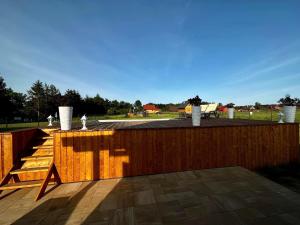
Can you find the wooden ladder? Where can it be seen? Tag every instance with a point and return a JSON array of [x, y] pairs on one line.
[[40, 160]]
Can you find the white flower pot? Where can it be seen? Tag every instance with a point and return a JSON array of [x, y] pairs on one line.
[[65, 116], [196, 115], [230, 112], [289, 113]]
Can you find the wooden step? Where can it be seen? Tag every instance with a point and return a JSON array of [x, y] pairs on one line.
[[24, 184], [28, 158], [32, 170], [43, 152], [37, 163], [47, 142], [49, 131], [44, 138], [43, 147], [47, 137]]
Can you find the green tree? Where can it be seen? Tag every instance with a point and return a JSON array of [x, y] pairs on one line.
[[99, 104], [6, 104], [73, 98], [36, 101], [116, 107], [257, 105], [18, 101], [52, 98], [138, 106], [13, 103], [94, 105]]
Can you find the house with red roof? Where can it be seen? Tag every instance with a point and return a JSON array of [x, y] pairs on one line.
[[150, 108]]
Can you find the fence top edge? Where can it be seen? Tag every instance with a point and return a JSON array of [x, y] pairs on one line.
[[19, 130], [170, 128]]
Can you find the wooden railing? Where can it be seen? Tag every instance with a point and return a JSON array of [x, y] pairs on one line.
[[93, 155], [12, 145]]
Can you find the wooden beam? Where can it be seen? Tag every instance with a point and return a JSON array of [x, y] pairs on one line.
[[24, 184], [6, 179], [16, 178], [52, 170], [56, 175]]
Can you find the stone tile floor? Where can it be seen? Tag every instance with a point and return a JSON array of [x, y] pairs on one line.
[[220, 196]]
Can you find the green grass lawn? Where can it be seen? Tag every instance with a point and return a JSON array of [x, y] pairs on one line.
[[261, 115], [168, 115]]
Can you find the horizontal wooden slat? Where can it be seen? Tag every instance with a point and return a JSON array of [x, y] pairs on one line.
[[43, 147], [29, 158], [32, 170], [24, 184], [47, 138]]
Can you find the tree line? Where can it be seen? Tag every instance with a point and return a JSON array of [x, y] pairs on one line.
[[43, 99]]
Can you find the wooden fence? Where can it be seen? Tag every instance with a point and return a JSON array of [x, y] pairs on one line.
[[93, 155], [12, 145]]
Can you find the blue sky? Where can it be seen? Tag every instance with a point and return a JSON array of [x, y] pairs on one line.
[[155, 51]]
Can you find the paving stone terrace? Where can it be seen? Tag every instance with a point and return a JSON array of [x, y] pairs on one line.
[[231, 195]]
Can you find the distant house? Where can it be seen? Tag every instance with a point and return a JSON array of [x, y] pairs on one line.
[[252, 108], [274, 107], [172, 108], [185, 108], [150, 108], [181, 108], [222, 109]]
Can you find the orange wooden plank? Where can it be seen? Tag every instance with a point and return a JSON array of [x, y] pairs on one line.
[[127, 144], [70, 156], [76, 154], [93, 155], [83, 148], [88, 152], [7, 152], [107, 136], [63, 154], [101, 154], [57, 151], [116, 155], [96, 155], [1, 157]]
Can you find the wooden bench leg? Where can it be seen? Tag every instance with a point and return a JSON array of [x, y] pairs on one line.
[[56, 175], [6, 179], [16, 178], [52, 170]]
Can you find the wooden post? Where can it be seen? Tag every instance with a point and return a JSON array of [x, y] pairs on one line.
[[271, 113], [38, 112]]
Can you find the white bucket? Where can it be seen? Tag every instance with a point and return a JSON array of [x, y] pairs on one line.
[[230, 112], [65, 116], [289, 113], [196, 115]]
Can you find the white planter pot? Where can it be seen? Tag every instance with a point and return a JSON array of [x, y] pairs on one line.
[[230, 112], [65, 116], [196, 115], [289, 113]]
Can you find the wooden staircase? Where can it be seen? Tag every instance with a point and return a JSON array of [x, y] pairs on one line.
[[39, 159]]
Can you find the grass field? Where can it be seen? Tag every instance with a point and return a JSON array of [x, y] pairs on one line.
[[169, 115], [261, 115]]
